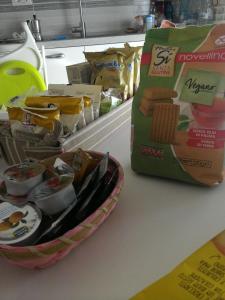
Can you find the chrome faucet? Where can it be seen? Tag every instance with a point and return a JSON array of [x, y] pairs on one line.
[[82, 27]]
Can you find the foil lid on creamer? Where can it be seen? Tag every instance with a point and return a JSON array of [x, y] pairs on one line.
[[18, 224], [24, 171], [50, 187]]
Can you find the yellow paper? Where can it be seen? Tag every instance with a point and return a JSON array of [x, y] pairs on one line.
[[199, 277]]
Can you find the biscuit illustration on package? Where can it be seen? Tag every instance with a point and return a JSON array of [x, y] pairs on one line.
[[146, 106], [164, 123], [153, 96], [157, 93]]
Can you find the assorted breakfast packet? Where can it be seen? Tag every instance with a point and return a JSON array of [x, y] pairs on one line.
[[178, 114], [79, 90], [200, 277], [116, 68]]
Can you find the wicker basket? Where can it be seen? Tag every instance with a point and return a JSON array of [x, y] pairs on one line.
[[46, 254]]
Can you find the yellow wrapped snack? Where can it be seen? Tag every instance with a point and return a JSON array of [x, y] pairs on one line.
[[128, 70], [92, 57], [33, 120], [70, 109], [46, 101], [129, 73], [79, 90], [108, 70], [137, 51], [132, 63]]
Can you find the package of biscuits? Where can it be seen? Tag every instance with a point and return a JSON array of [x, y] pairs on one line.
[[178, 113]]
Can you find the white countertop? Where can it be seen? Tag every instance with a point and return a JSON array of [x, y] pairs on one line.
[[156, 224], [77, 42], [99, 40]]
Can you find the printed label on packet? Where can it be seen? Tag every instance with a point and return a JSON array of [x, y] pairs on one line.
[[163, 61], [199, 277], [205, 144], [200, 87], [206, 138], [206, 133]]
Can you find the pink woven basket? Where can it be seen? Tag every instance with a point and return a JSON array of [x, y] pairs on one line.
[[46, 254]]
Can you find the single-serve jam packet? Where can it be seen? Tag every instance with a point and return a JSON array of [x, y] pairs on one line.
[[178, 115], [200, 277]]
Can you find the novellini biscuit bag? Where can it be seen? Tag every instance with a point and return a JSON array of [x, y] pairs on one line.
[[200, 277], [178, 114]]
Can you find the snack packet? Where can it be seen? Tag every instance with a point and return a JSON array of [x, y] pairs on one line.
[[33, 120], [70, 109], [79, 90], [92, 57], [129, 57], [137, 64], [82, 122], [79, 73], [110, 100], [70, 114], [200, 276], [88, 110], [83, 163], [108, 70], [132, 62], [129, 74], [178, 114]]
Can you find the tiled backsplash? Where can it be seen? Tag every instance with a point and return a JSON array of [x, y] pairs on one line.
[[101, 16], [6, 5], [58, 17]]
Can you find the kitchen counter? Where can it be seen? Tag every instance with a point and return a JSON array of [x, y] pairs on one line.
[[94, 40], [156, 225], [77, 42]]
